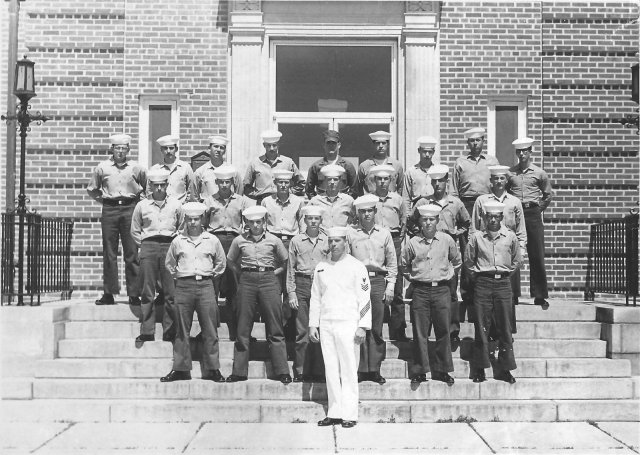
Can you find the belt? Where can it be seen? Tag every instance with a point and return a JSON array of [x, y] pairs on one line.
[[304, 275], [258, 269], [432, 284], [528, 205], [195, 277], [120, 201], [377, 273], [469, 198], [395, 235], [159, 239], [283, 236], [233, 233], [494, 275]]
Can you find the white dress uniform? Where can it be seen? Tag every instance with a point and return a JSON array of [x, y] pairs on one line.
[[339, 306]]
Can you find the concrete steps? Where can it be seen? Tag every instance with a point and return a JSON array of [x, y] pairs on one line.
[[391, 368], [393, 411]]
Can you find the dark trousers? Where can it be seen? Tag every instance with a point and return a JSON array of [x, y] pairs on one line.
[[374, 349], [493, 303], [228, 289], [199, 297], [431, 305], [466, 286], [535, 250], [259, 289], [116, 226], [152, 271], [288, 316], [454, 324], [397, 322], [308, 359]]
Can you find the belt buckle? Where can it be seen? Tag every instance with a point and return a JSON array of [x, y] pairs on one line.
[[497, 276], [261, 269], [198, 277], [372, 273], [434, 284], [120, 201]]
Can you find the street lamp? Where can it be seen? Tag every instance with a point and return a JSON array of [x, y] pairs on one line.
[[24, 89]]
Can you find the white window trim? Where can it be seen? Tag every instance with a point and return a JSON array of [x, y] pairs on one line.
[[340, 117], [520, 101], [144, 154]]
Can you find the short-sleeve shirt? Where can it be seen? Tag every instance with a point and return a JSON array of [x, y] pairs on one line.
[[204, 182], [304, 254], [416, 184], [115, 181], [180, 179], [374, 249], [284, 217], [391, 212], [471, 176], [498, 255], [203, 256], [336, 212], [267, 251], [151, 218], [530, 185], [259, 174], [513, 215], [430, 260], [366, 183], [226, 215], [454, 218]]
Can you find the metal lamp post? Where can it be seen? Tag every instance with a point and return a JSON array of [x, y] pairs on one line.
[[24, 89]]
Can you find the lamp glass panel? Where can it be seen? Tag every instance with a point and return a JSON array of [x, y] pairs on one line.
[[30, 85], [20, 78]]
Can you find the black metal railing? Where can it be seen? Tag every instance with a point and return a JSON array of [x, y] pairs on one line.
[[612, 262], [46, 262]]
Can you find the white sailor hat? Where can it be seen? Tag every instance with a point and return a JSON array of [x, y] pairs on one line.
[[194, 209], [366, 202], [437, 171], [474, 132], [158, 175], [382, 170], [225, 172], [218, 140], [523, 143], [167, 140], [429, 210], [254, 213], [312, 210], [493, 207], [427, 142], [498, 169], [337, 231], [120, 139], [271, 136], [282, 174], [332, 170], [380, 136]]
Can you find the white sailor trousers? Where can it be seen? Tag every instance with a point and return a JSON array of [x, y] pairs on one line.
[[341, 357]]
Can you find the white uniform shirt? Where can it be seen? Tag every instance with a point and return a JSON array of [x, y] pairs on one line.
[[340, 292]]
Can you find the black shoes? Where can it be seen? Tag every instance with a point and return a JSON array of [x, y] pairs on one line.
[[443, 377], [400, 336], [214, 376], [284, 378], [176, 376], [376, 377], [348, 423], [143, 338], [236, 378], [363, 377], [327, 421], [506, 377], [478, 376], [542, 303], [299, 378], [417, 379], [134, 301], [106, 299]]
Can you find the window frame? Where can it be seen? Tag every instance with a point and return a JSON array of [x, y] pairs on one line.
[[519, 101], [144, 102]]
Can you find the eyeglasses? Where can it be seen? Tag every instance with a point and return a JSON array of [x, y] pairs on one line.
[[120, 147]]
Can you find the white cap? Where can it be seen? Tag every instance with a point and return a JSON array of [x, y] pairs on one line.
[[493, 207], [429, 210], [427, 142], [271, 136], [337, 231], [380, 136], [475, 132], [218, 140], [255, 212], [523, 143], [158, 175], [167, 140], [225, 172], [498, 170], [332, 170], [365, 202], [194, 209], [120, 139], [282, 174], [437, 171], [312, 210], [382, 170]]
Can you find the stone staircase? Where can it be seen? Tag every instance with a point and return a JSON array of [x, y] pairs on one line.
[[100, 375]]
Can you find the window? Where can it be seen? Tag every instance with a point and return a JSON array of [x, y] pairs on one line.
[[507, 120], [344, 86], [159, 116]]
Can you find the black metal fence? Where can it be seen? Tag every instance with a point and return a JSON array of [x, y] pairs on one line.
[[612, 263], [46, 261]]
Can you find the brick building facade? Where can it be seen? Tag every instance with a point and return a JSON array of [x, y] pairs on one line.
[[558, 72]]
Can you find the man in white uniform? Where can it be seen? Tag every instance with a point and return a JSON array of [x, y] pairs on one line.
[[340, 306]]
